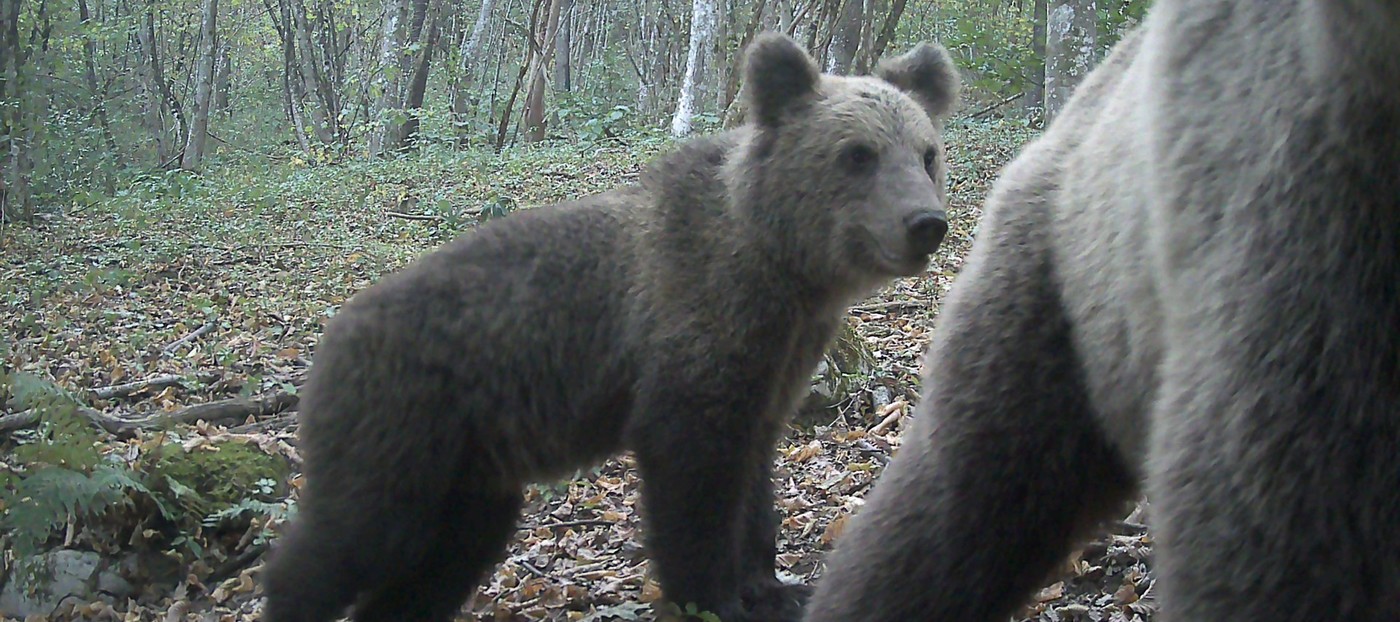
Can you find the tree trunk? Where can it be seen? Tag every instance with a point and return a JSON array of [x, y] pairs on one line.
[[882, 41], [525, 65], [466, 72], [16, 131], [203, 89], [846, 37], [719, 65], [563, 48], [1071, 28], [861, 63], [645, 53], [702, 31], [387, 134], [310, 82], [1035, 93], [422, 59], [148, 71], [534, 99], [733, 107], [222, 78], [98, 95]]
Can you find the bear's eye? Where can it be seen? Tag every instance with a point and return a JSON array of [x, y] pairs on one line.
[[930, 157], [860, 158]]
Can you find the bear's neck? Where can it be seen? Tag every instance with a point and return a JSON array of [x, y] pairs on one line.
[[708, 229]]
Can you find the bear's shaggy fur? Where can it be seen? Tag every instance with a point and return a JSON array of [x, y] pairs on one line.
[[1189, 285], [679, 319]]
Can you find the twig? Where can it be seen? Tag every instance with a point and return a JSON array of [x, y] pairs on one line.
[[533, 570], [123, 390], [237, 564], [586, 522], [406, 216], [208, 326], [892, 413], [270, 156], [886, 306], [276, 423], [993, 107]]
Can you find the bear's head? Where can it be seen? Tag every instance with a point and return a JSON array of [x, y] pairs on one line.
[[846, 173]]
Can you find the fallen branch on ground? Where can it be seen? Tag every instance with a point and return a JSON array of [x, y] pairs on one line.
[[887, 306], [123, 390], [208, 326], [225, 410], [275, 423], [407, 216], [18, 421], [213, 412], [235, 565]]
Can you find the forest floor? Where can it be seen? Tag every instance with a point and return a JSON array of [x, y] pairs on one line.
[[225, 281]]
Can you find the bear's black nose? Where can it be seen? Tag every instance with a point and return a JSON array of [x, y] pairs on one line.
[[926, 231]]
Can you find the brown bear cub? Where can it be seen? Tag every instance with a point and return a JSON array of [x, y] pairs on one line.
[[1189, 285], [679, 319]]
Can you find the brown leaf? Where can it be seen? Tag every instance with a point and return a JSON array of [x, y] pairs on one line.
[[1052, 592], [834, 530], [1126, 594], [806, 452]]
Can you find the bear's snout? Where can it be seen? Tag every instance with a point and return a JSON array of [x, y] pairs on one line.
[[926, 231]]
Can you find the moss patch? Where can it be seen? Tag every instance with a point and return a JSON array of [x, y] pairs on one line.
[[221, 475]]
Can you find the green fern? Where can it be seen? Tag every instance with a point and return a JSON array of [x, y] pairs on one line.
[[66, 438], [276, 511], [49, 497]]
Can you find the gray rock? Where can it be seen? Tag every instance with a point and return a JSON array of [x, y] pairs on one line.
[[83, 575]]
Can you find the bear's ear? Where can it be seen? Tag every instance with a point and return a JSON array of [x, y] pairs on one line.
[[778, 74], [927, 74]]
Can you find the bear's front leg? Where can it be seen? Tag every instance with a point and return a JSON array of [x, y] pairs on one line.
[[765, 596], [698, 454]]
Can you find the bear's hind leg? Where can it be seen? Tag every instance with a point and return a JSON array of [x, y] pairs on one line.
[[472, 531]]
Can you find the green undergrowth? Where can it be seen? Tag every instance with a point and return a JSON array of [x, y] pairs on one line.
[[65, 485]]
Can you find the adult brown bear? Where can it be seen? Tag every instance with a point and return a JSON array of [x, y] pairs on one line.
[[1190, 284], [679, 319]]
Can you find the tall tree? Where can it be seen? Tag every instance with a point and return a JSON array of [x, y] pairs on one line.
[[1035, 92], [466, 70], [869, 56], [204, 87], [420, 59], [159, 100], [18, 120], [563, 48], [311, 71], [534, 99], [1071, 28], [845, 37], [97, 93], [702, 32], [410, 32]]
